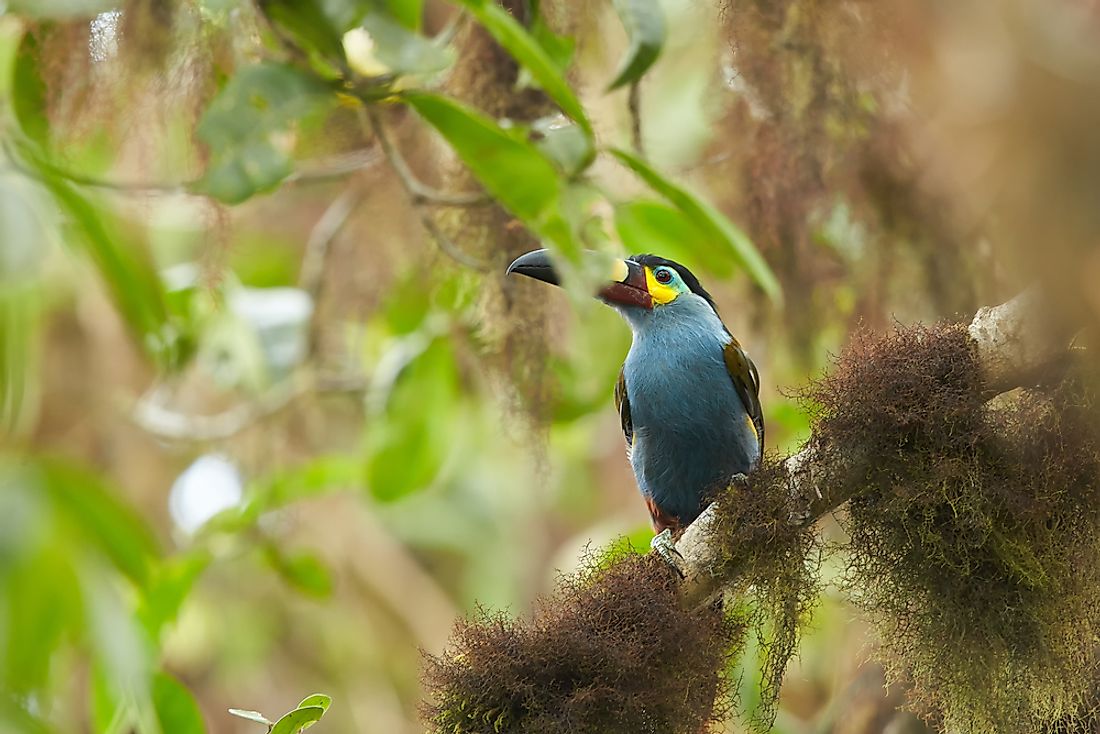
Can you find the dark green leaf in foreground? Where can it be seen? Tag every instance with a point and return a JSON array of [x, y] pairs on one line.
[[645, 226], [312, 24], [122, 262], [176, 709], [644, 22], [724, 241], [247, 126], [305, 572], [545, 72], [406, 12], [28, 98], [102, 519], [510, 168]]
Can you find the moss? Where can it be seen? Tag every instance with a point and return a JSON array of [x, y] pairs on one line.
[[612, 651], [771, 565], [974, 532]]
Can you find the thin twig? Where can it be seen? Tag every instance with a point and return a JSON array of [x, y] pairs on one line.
[[634, 104], [370, 119], [449, 248], [325, 169], [419, 192], [326, 229], [153, 416]]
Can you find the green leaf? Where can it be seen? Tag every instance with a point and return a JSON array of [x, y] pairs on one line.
[[407, 445], [558, 47], [316, 699], [645, 226], [176, 709], [20, 312], [102, 519], [531, 54], [252, 716], [168, 588], [513, 170], [406, 12], [298, 719], [644, 22], [245, 124], [303, 571], [402, 50], [28, 98], [312, 24], [723, 240], [123, 263]]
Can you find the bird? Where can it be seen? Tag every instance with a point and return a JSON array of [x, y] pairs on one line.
[[688, 394]]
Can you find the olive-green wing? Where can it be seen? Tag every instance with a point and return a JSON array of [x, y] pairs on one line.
[[746, 381], [623, 406]]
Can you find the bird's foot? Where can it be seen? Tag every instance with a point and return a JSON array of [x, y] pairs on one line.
[[663, 546]]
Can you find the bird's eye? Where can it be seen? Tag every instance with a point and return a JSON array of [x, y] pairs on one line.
[[663, 275]]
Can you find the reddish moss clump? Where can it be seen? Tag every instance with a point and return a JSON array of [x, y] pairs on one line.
[[974, 528], [612, 650]]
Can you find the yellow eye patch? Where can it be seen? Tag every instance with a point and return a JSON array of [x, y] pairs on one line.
[[659, 292]]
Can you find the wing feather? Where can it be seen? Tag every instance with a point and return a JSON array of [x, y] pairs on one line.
[[746, 381], [622, 404]]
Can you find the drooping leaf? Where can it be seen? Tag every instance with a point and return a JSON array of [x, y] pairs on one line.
[[24, 243], [298, 719], [558, 47], [19, 315], [176, 709], [531, 55], [724, 242], [246, 127], [124, 264], [313, 24], [513, 170], [644, 22], [167, 589], [28, 98], [406, 12], [304, 571], [102, 519], [652, 226], [406, 450]]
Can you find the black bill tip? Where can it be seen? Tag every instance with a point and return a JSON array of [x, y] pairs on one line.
[[536, 264]]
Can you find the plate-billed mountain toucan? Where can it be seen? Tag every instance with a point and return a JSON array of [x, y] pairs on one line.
[[688, 395]]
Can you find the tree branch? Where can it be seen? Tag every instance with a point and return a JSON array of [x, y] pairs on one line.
[[1012, 343]]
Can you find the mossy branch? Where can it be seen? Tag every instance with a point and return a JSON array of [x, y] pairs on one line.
[[1012, 342], [968, 523]]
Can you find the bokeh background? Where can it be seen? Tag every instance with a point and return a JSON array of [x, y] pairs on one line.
[[271, 435]]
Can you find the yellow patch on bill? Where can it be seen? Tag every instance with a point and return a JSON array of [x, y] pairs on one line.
[[619, 271]]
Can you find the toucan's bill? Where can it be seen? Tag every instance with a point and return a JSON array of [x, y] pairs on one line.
[[627, 286]]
